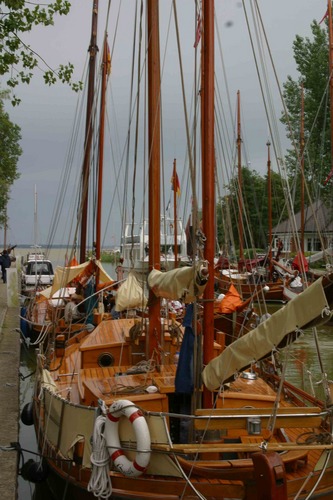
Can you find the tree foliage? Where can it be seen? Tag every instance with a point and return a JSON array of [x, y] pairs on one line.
[[312, 62], [254, 215], [10, 135], [18, 60]]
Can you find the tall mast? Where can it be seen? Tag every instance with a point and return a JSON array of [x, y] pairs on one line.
[[35, 218], [330, 71], [154, 131], [175, 190], [330, 40], [302, 167], [240, 182], [269, 186], [88, 137], [208, 184], [105, 68]]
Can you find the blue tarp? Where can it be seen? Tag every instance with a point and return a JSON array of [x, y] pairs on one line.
[[184, 374]]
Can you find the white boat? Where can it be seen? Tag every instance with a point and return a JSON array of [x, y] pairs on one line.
[[135, 245], [37, 271]]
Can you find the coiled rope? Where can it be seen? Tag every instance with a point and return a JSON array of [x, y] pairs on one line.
[[100, 481]]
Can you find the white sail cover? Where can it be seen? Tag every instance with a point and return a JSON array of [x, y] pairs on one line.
[[185, 283], [65, 275], [130, 294], [308, 309]]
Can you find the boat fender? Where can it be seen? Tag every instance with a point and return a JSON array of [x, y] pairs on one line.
[[151, 389], [27, 415], [34, 472], [270, 476], [139, 465]]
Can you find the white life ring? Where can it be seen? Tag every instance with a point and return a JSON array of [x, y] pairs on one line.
[[111, 434]]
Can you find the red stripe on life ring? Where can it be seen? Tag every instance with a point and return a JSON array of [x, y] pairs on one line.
[[135, 415], [138, 467], [112, 418], [116, 454]]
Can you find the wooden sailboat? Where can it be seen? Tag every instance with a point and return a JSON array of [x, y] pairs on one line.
[[113, 427], [252, 276]]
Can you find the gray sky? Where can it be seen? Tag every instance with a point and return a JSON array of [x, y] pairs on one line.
[[46, 114]]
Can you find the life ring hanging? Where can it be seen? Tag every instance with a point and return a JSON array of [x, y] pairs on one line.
[[140, 427]]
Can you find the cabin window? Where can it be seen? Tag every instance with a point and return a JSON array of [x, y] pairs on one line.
[[105, 360], [39, 268]]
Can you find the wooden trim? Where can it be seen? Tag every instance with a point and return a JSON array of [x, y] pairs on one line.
[[237, 447], [238, 418]]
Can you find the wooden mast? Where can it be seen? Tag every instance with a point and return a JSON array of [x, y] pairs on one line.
[[269, 186], [330, 73], [88, 139], [105, 69], [208, 180], [154, 127], [240, 182], [330, 39], [302, 167], [175, 192]]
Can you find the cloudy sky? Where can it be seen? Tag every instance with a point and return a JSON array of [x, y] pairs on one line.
[[46, 114]]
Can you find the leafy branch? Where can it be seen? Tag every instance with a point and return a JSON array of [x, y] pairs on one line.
[[14, 53]]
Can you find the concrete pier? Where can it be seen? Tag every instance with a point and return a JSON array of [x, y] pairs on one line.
[[9, 384]]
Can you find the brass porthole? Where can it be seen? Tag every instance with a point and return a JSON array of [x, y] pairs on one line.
[[105, 359]]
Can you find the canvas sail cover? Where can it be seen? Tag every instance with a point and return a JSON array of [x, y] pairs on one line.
[[231, 302], [130, 294], [308, 309], [184, 283], [65, 275], [300, 263]]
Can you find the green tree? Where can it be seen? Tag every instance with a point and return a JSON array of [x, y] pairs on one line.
[[255, 216], [10, 135], [311, 57], [18, 60]]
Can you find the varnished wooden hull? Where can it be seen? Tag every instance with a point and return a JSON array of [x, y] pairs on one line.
[[270, 291], [212, 473]]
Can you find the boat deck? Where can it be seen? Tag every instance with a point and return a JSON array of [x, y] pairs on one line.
[[89, 384]]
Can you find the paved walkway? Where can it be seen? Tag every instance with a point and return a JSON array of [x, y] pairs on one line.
[[9, 387]]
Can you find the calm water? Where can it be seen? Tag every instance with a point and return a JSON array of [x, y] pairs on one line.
[[303, 370]]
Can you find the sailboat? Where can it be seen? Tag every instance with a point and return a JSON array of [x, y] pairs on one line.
[[37, 269], [252, 276], [128, 411]]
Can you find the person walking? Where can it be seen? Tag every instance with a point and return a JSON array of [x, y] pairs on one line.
[[5, 263]]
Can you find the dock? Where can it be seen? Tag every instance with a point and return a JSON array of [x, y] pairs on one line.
[[9, 384]]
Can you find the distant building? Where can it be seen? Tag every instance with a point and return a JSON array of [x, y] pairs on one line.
[[318, 229]]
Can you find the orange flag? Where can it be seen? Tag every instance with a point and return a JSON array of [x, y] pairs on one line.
[[198, 32], [175, 184], [325, 15]]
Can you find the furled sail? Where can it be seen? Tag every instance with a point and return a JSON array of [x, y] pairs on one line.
[[309, 308], [130, 294], [184, 283]]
